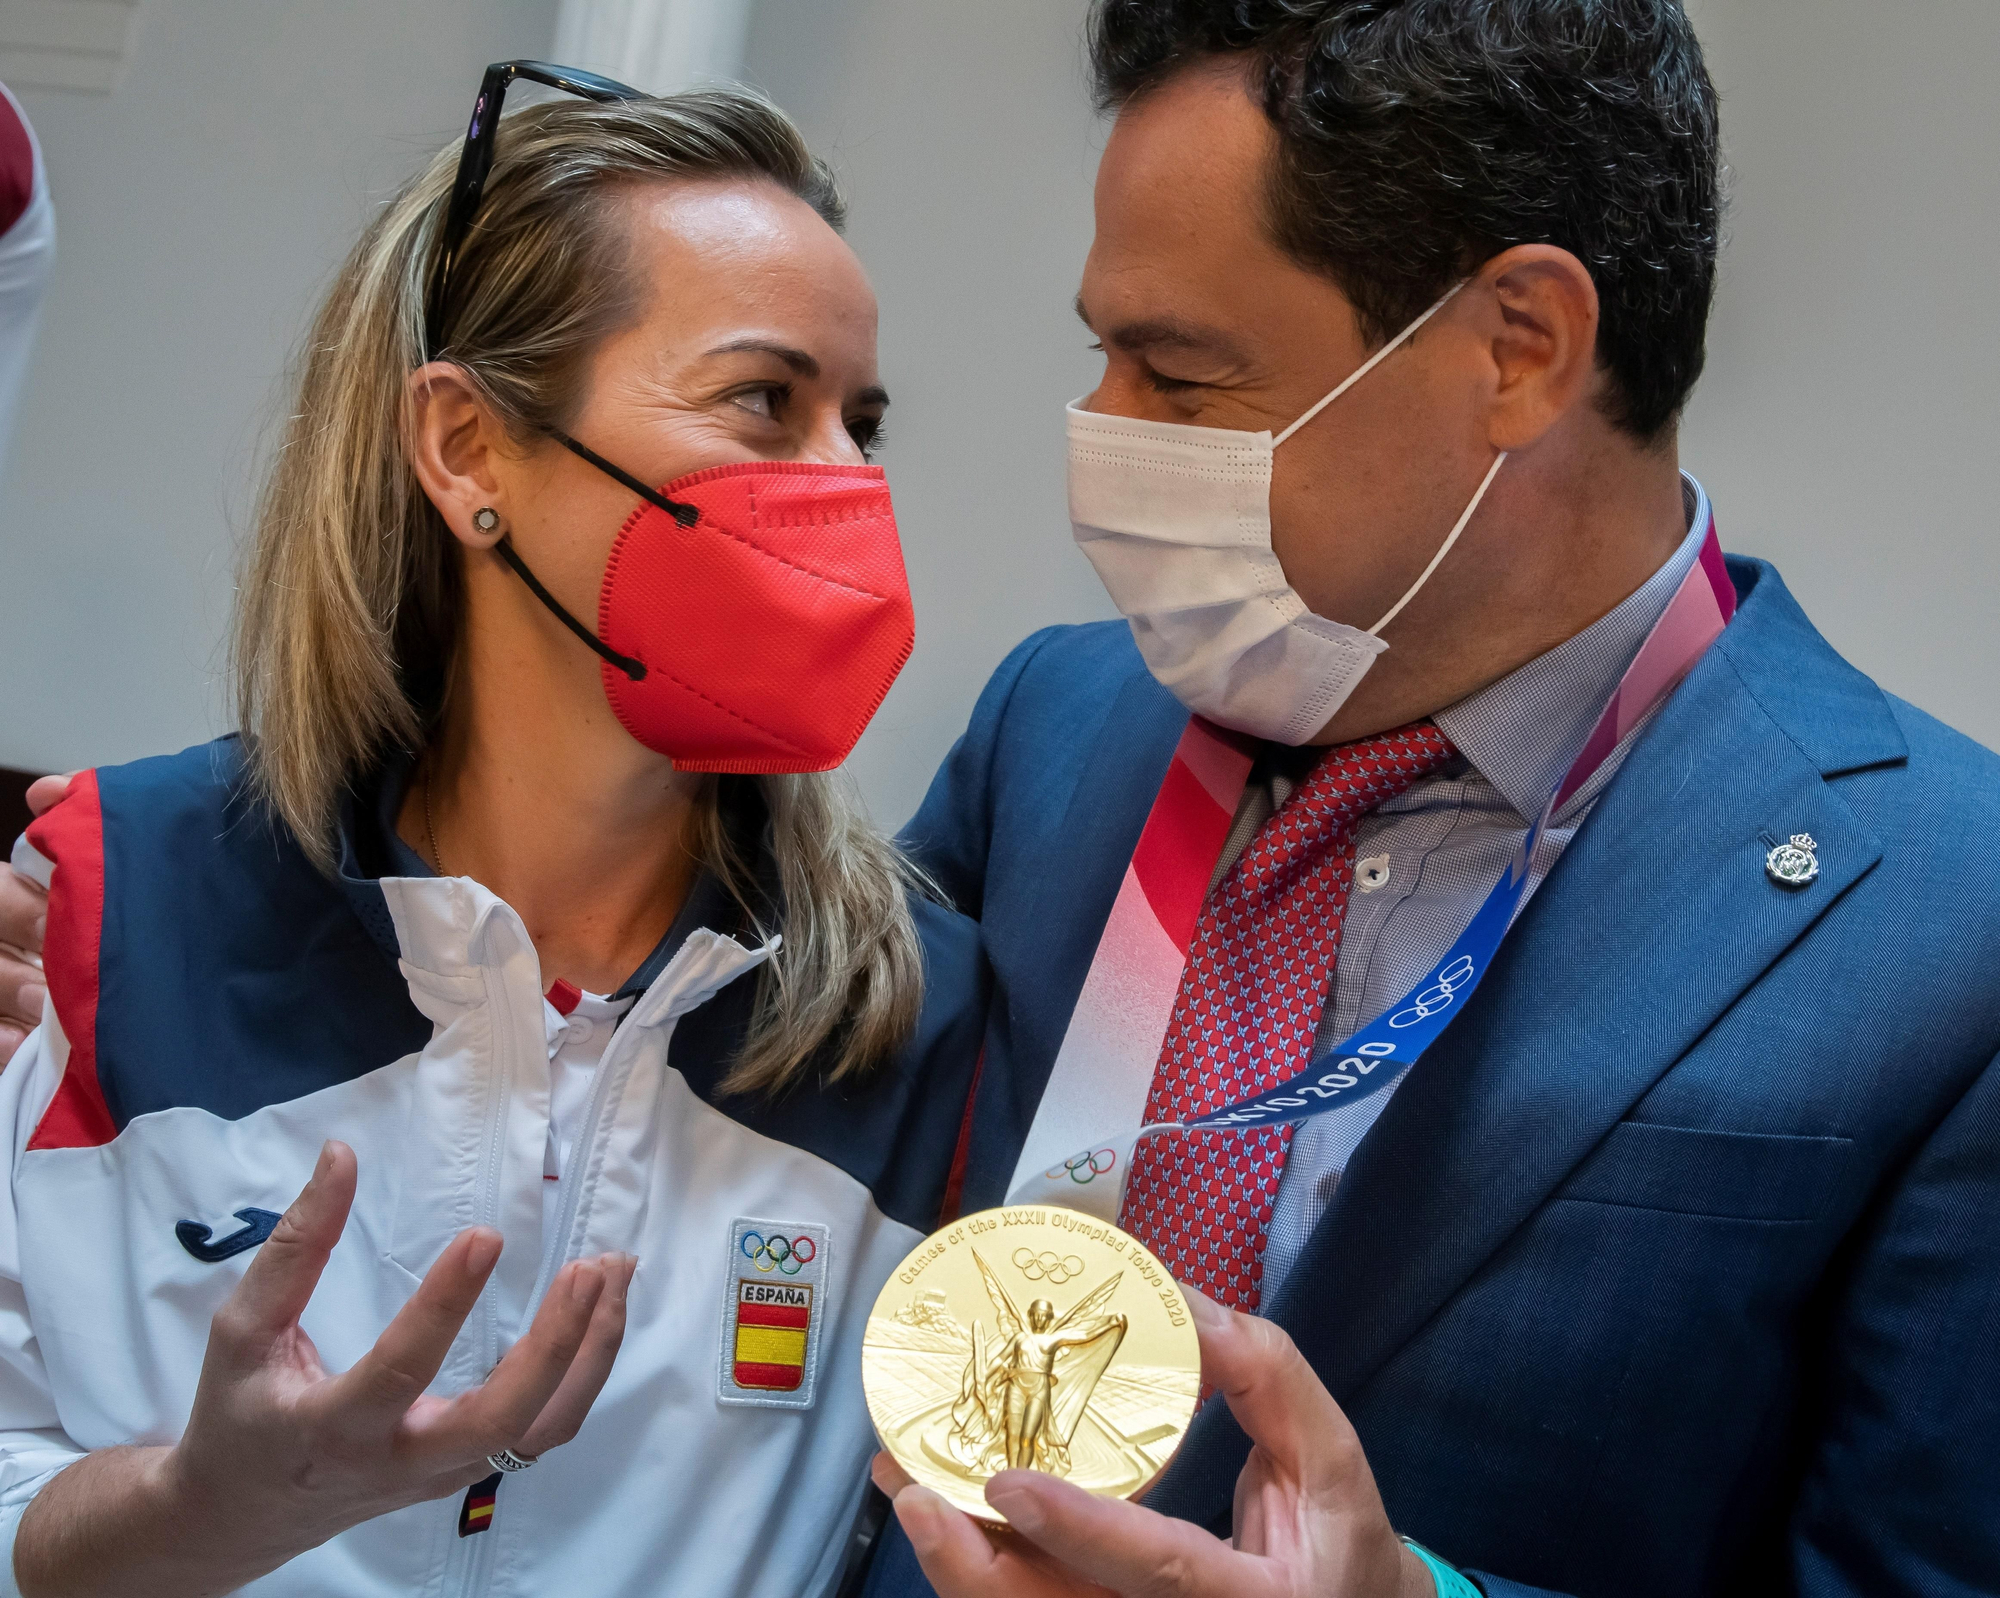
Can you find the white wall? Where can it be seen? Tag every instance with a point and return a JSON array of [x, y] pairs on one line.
[[1844, 427], [1848, 420], [202, 207]]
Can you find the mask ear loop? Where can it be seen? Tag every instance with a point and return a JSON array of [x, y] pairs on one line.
[[1443, 550], [685, 515], [1370, 364], [1356, 376], [635, 669]]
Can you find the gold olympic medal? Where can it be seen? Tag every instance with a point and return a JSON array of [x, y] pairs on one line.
[[1034, 1338]]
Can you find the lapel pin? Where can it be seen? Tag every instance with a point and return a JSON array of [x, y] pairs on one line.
[[1794, 864]]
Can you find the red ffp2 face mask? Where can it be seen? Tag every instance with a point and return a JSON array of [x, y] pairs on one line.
[[752, 617]]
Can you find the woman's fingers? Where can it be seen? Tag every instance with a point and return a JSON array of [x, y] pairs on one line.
[[23, 987], [562, 1417], [392, 1375], [45, 791], [499, 1413], [281, 1278], [24, 912], [23, 919]]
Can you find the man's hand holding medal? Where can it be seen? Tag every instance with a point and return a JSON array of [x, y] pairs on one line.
[[1309, 1521]]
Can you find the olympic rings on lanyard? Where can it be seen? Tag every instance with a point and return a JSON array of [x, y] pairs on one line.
[[784, 1255], [1084, 1168], [1438, 995]]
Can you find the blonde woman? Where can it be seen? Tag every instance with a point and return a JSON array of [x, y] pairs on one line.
[[519, 928]]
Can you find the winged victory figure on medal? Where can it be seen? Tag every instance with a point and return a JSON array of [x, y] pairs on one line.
[[1026, 1387]]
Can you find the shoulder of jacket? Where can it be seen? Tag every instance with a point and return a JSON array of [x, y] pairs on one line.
[[1943, 799], [163, 790], [171, 885], [175, 818], [1957, 770], [1102, 648], [1083, 663]]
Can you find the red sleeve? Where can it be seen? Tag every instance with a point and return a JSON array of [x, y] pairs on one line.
[[17, 165], [72, 835]]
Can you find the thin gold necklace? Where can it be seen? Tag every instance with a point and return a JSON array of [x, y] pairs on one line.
[[430, 824]]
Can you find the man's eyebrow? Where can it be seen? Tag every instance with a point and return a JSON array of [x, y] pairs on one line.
[[798, 360], [873, 396], [1169, 332]]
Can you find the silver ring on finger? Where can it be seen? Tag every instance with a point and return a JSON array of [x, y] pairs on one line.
[[510, 1461]]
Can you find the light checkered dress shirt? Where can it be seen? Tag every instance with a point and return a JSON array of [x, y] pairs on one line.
[[1425, 861]]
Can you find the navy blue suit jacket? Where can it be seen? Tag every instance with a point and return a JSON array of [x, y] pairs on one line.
[[1674, 1269]]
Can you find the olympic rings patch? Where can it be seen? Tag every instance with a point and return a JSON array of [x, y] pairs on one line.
[[777, 1276], [1083, 1169], [786, 1255], [1047, 1265]]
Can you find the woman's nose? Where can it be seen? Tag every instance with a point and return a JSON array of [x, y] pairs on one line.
[[831, 444]]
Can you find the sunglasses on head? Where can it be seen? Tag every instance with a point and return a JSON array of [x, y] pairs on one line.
[[476, 160]]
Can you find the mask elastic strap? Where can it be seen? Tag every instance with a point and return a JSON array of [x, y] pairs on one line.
[[1444, 549], [1370, 364], [635, 669], [686, 515]]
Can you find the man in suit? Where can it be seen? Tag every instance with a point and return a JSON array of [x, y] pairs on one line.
[[1673, 1267]]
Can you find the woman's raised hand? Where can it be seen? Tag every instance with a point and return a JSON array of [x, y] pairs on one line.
[[278, 1455]]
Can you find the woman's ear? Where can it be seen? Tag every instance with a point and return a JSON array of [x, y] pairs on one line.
[[1544, 342], [456, 446]]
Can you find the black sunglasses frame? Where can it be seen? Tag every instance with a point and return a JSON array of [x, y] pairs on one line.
[[476, 160]]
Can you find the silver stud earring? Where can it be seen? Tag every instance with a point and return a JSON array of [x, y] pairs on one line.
[[486, 519]]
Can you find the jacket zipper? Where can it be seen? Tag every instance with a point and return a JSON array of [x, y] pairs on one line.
[[471, 1555], [569, 1186]]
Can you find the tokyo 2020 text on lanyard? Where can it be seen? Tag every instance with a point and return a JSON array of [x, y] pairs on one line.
[[1079, 1150]]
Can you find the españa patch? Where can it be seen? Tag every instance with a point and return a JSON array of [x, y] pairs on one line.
[[773, 1303]]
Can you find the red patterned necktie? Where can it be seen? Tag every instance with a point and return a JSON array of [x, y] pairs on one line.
[[1247, 1011]]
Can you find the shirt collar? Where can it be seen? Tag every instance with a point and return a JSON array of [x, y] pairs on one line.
[[1522, 732]]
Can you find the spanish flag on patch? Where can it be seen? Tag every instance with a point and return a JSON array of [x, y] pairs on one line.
[[476, 1513], [772, 1319]]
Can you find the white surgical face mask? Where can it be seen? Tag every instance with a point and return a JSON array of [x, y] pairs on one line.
[[1177, 521]]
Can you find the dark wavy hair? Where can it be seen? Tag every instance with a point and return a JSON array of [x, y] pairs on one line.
[[1419, 138]]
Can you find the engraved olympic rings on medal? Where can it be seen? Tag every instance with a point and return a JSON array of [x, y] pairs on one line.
[[1047, 1265], [1438, 996], [785, 1255], [1083, 1169]]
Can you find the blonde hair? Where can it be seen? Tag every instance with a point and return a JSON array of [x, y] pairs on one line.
[[350, 604]]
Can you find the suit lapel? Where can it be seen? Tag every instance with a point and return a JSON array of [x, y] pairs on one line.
[[1043, 958], [1657, 917]]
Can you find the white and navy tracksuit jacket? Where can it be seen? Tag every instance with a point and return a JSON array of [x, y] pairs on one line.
[[220, 1009]]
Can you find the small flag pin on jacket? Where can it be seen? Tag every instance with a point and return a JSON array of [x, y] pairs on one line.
[[1794, 864]]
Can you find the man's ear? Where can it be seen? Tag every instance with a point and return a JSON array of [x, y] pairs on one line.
[[1544, 340], [455, 442]]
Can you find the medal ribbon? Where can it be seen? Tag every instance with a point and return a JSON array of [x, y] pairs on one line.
[[1111, 1050]]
